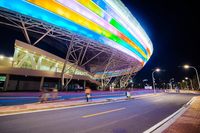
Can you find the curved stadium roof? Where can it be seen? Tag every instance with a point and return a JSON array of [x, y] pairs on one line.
[[108, 22]]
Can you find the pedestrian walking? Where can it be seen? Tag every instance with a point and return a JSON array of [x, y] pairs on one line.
[[54, 93], [128, 94], [41, 97], [88, 93], [177, 89], [44, 95]]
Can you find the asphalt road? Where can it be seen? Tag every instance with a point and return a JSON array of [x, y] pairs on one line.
[[133, 116]]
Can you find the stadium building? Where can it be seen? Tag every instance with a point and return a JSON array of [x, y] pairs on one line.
[[72, 42]]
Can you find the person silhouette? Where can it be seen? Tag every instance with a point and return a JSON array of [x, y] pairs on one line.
[[88, 93]]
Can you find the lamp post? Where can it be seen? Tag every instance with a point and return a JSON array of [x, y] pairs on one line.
[[187, 67], [179, 84], [184, 84], [153, 79], [186, 78], [170, 82]]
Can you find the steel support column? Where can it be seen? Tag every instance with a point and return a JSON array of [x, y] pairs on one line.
[[6, 82], [41, 83], [73, 56], [105, 79], [124, 79], [66, 60]]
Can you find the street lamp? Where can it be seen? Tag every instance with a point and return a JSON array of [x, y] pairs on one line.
[[186, 78], [187, 67], [153, 79]]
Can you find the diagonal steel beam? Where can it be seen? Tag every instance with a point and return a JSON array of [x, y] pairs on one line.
[[42, 36], [84, 53], [92, 58], [25, 32]]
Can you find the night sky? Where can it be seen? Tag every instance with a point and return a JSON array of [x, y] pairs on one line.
[[173, 27]]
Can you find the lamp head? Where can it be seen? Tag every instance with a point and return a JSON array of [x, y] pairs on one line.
[[186, 66], [11, 58], [1, 57], [157, 69]]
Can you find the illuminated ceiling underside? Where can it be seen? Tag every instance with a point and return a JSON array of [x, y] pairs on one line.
[[105, 21]]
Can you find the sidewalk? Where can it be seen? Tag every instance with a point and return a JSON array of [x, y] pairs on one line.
[[184, 91], [6, 110], [19, 98], [189, 122]]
